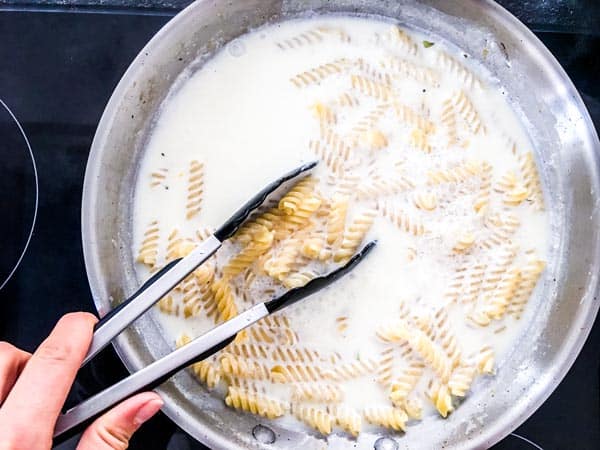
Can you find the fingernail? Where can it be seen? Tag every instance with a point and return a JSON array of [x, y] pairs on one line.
[[148, 410]]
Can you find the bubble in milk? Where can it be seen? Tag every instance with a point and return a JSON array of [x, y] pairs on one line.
[[236, 48], [385, 443], [263, 434]]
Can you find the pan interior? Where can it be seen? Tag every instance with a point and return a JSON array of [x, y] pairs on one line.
[[564, 143]]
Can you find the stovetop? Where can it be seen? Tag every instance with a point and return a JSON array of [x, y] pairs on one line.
[[58, 67]]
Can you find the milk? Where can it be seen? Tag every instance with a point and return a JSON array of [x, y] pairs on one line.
[[242, 117]]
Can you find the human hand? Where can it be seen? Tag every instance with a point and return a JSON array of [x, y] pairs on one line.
[[33, 389]]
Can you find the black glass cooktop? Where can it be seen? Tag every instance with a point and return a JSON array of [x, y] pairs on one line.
[[58, 67]]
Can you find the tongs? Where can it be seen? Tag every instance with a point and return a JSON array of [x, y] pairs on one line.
[[77, 418]]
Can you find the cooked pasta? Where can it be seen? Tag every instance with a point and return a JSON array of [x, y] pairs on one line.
[[350, 370], [195, 189], [259, 245], [346, 418], [401, 40], [317, 74], [404, 68], [234, 366], [254, 403], [456, 174], [460, 381], [532, 180], [377, 187], [354, 235], [402, 386], [148, 252], [416, 149], [453, 67], [370, 88], [439, 395], [204, 371], [317, 392], [401, 219], [295, 372], [465, 109], [224, 300], [316, 418], [387, 416], [158, 177]]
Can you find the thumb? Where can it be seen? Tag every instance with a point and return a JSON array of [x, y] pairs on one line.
[[113, 430]]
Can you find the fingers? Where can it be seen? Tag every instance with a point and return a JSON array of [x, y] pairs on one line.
[[12, 361], [32, 406], [113, 430]]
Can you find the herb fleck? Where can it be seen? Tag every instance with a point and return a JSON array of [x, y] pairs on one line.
[[428, 44]]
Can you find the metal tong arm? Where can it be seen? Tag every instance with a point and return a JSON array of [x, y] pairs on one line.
[[169, 276], [78, 417]]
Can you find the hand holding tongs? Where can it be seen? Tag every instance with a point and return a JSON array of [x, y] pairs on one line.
[[78, 417]]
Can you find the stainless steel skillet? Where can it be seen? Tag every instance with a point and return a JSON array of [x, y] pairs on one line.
[[566, 146]]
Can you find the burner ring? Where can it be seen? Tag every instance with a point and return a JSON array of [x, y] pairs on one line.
[[5, 278], [527, 441]]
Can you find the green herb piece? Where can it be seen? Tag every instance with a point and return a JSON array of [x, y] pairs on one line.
[[428, 44]]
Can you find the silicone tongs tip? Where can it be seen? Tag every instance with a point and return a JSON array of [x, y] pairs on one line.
[[316, 284]]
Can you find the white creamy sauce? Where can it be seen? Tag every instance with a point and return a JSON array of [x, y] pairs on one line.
[[242, 118]]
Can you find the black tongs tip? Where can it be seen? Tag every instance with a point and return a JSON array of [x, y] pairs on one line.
[[316, 284]]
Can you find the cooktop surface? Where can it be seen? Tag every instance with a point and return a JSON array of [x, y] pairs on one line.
[[59, 65]]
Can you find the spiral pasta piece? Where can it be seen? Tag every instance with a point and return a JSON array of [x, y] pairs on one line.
[[456, 174], [386, 366], [248, 350], [148, 252], [312, 37], [403, 68], [337, 219], [531, 177], [464, 242], [387, 417], [254, 403], [195, 189], [408, 116], [403, 385], [451, 66], [168, 305], [461, 380], [332, 160], [354, 235], [317, 392], [400, 219], [529, 275], [316, 418], [204, 371], [370, 88], [257, 247], [314, 246], [425, 201], [485, 361], [158, 177], [297, 279], [441, 398], [346, 418], [295, 372], [291, 202], [224, 299], [284, 261], [319, 73], [350, 370], [466, 110], [235, 366], [400, 40], [377, 187]]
